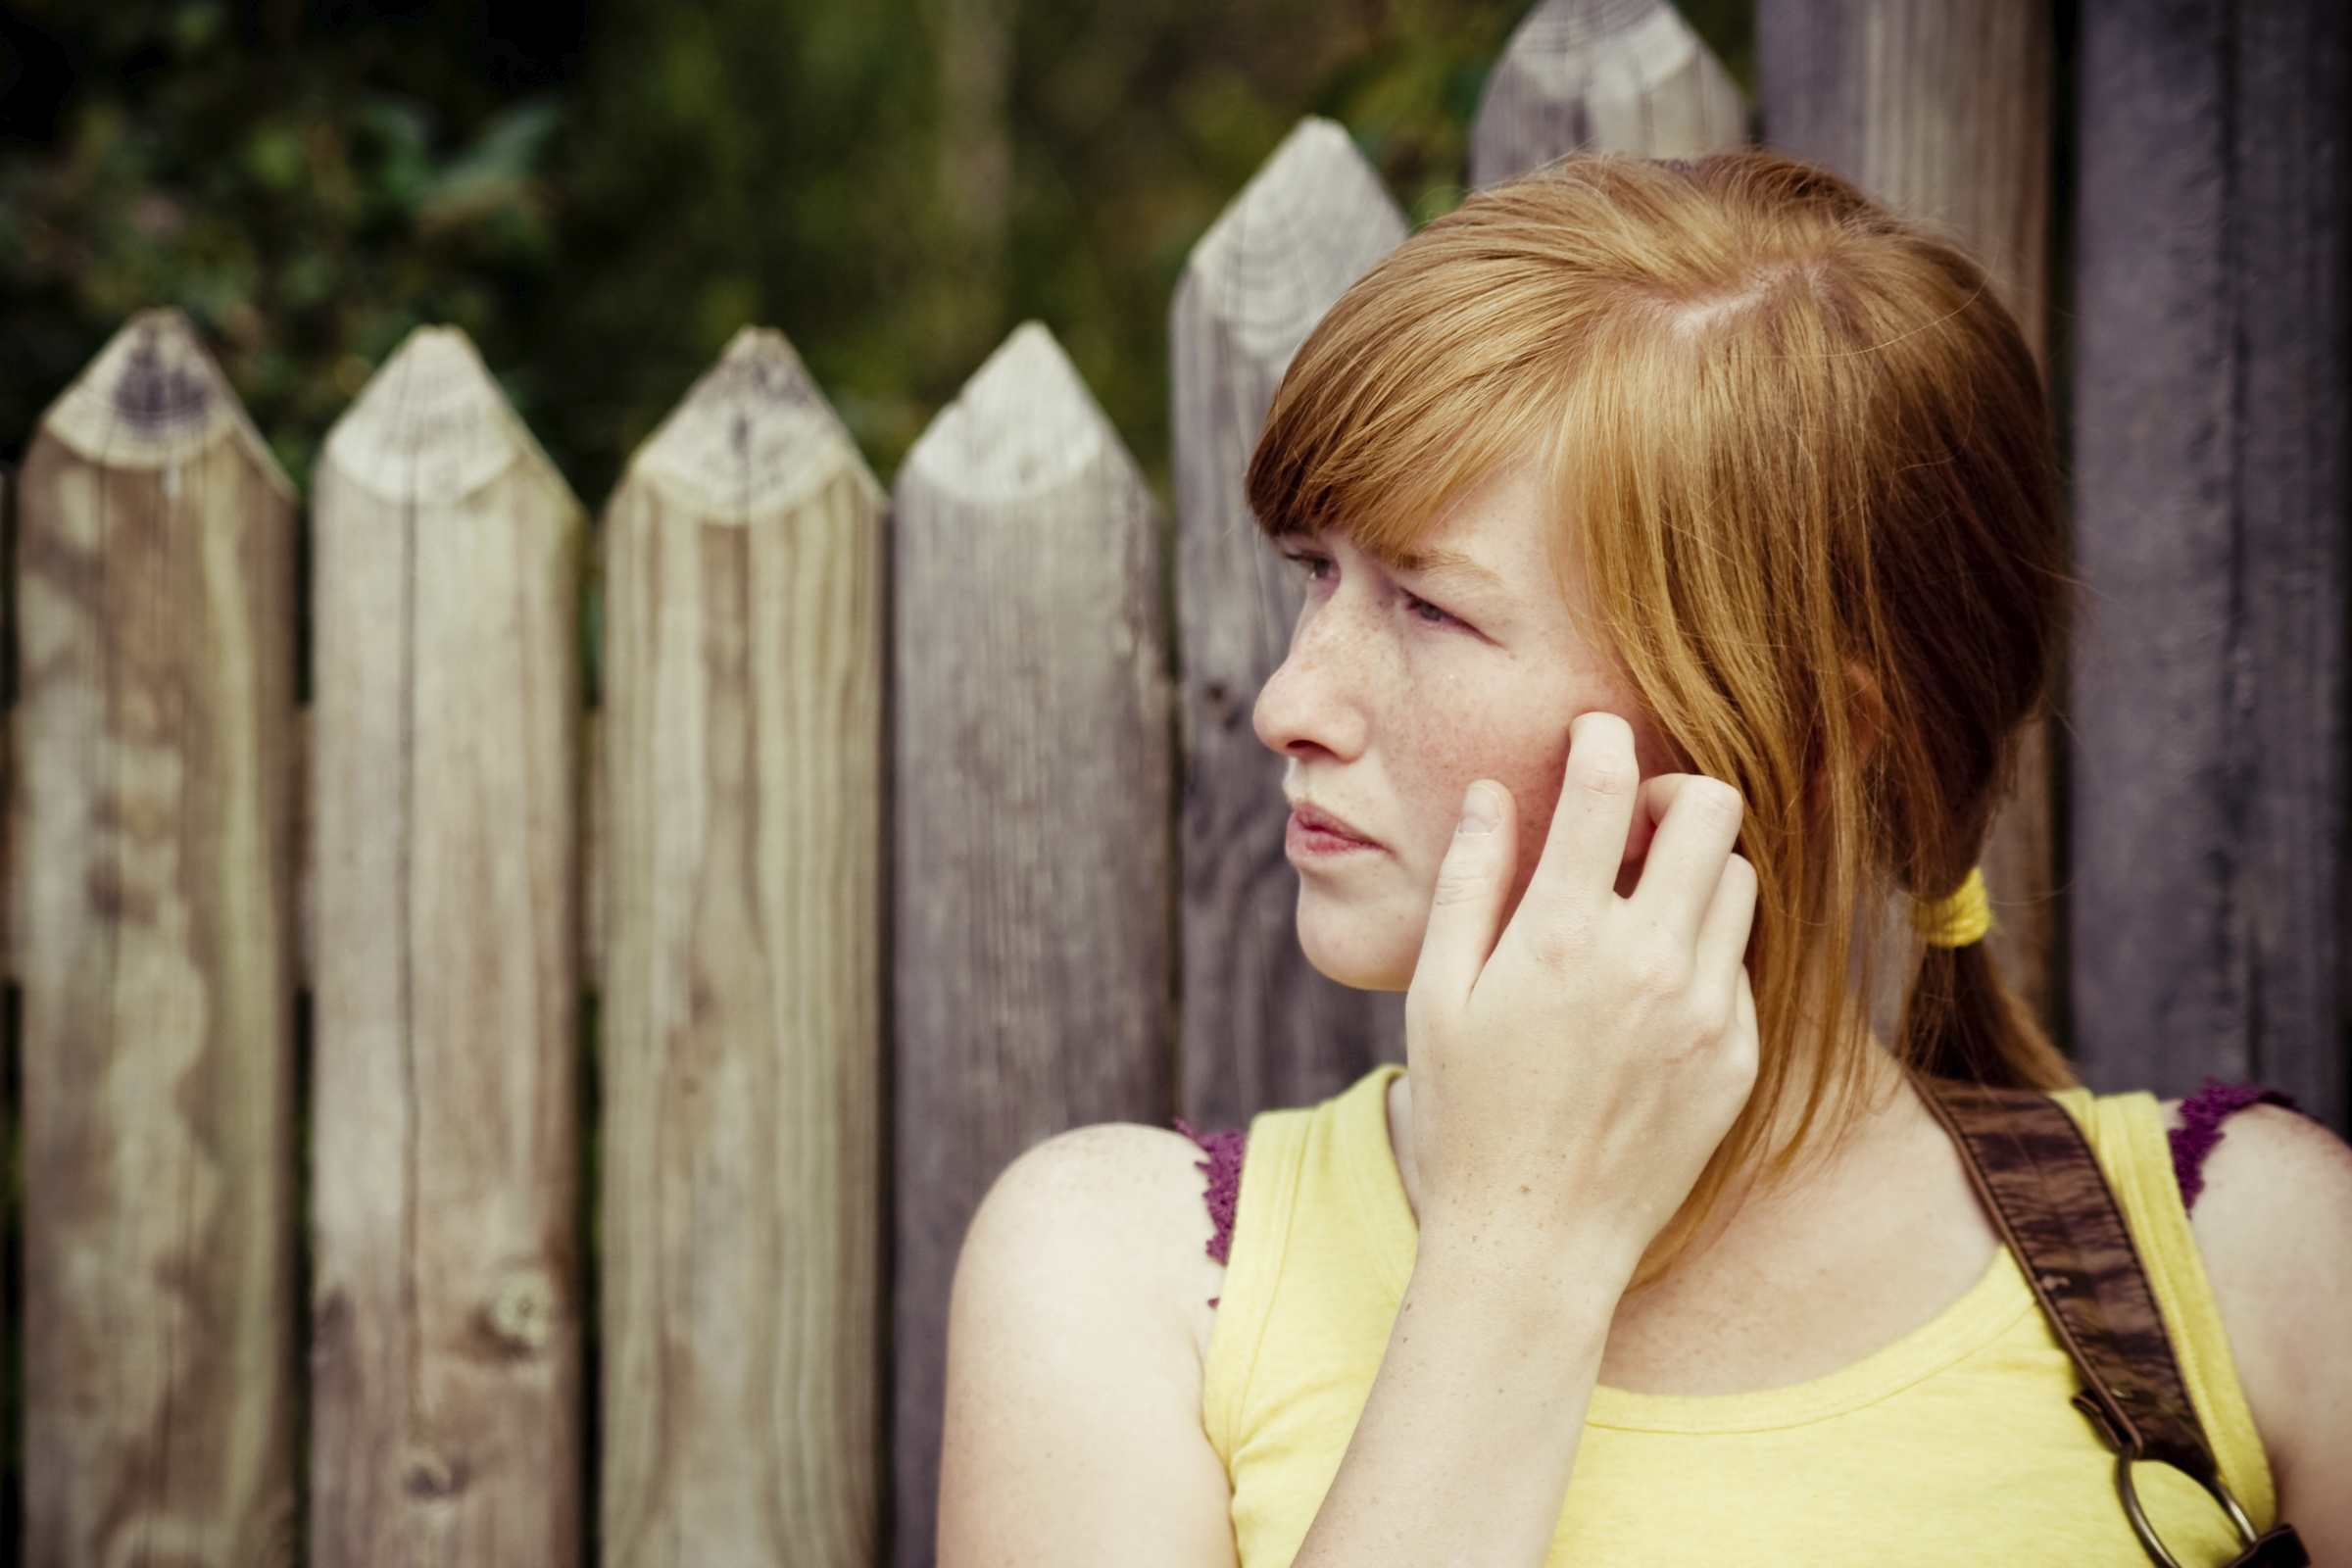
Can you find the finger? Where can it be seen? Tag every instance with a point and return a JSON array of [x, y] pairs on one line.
[[1730, 917], [1687, 857], [1747, 1036], [1649, 806], [1595, 815], [1465, 911]]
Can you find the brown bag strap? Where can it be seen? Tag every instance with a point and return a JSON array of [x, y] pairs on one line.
[[2043, 1188]]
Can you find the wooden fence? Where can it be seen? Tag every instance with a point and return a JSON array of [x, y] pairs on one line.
[[685, 1011]]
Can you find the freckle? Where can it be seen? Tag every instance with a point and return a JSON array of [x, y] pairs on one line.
[[1523, 1189]]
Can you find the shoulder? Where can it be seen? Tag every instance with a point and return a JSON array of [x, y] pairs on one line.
[[2273, 1226], [1107, 1218], [2275, 1214], [2277, 1184], [1076, 1338]]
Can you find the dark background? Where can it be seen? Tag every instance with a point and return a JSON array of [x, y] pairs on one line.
[[602, 192]]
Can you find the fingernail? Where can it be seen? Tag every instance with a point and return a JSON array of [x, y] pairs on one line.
[[1480, 812]]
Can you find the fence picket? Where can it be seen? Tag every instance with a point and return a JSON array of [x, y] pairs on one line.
[[153, 915], [1602, 76], [1941, 109], [445, 1350], [2213, 415], [742, 1005], [1261, 1027], [1032, 858]]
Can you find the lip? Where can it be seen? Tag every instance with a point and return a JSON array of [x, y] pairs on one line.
[[1316, 834]]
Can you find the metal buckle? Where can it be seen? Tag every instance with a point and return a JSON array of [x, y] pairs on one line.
[[2147, 1532]]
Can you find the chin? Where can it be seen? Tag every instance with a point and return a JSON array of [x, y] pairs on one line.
[[1358, 947]]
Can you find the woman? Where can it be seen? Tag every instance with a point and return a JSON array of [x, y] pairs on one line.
[[1682, 560]]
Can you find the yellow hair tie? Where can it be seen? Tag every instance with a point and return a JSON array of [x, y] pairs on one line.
[[1956, 919]]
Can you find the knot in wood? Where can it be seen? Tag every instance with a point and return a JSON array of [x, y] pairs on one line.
[[426, 1474], [164, 392], [521, 1311]]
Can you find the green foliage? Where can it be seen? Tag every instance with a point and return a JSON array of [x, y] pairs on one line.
[[810, 167], [306, 199], [896, 184]]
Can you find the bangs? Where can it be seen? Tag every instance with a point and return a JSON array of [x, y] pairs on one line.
[[1427, 376]]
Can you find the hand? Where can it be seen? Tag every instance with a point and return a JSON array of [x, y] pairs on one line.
[[1573, 1073]]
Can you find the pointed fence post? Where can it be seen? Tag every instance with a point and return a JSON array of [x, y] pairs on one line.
[[1602, 76], [1941, 109], [2213, 482], [1031, 880], [1261, 1027], [153, 915], [741, 1007], [446, 1379]]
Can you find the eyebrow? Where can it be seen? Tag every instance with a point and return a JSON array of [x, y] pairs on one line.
[[1446, 563]]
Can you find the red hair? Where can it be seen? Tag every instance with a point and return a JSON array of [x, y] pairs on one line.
[[1802, 456]]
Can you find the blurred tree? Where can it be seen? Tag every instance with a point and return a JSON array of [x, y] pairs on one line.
[[601, 196], [307, 185], [898, 184]]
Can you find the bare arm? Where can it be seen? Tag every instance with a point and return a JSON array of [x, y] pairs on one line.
[[2274, 1226], [1075, 1342]]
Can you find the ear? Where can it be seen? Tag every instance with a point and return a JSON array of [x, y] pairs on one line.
[[1869, 712], [1866, 721]]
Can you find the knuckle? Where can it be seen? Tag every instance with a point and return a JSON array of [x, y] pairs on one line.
[[1659, 971], [1606, 779], [1458, 885], [1561, 944], [1716, 799], [1464, 876]]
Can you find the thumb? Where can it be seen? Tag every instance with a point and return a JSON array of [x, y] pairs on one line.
[[1465, 911]]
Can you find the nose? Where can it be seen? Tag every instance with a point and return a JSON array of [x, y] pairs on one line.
[[1312, 705]]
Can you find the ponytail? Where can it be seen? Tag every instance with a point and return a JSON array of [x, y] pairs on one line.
[[1961, 1022]]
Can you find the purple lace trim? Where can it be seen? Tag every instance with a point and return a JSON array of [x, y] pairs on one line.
[[2192, 1143], [1223, 1168], [2200, 1131]]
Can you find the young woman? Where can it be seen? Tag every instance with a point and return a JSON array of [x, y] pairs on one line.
[[1683, 559]]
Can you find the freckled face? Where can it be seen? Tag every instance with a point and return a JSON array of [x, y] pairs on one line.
[[1406, 684]]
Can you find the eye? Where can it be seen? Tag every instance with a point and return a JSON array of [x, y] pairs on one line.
[[1318, 566], [1422, 610]]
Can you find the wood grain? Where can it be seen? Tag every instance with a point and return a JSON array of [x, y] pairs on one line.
[[445, 1351], [2213, 421], [1602, 76], [1261, 1027], [1032, 890], [742, 1007], [1941, 109], [153, 912]]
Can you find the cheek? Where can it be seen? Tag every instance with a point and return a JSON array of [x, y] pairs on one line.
[[1523, 746], [1518, 736]]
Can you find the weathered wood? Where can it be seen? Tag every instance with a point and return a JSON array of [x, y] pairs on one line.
[[2212, 426], [445, 1354], [153, 911], [1941, 109], [1602, 76], [1031, 877], [742, 1009], [1261, 1027]]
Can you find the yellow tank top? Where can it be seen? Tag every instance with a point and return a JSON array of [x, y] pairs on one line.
[[1955, 1444]]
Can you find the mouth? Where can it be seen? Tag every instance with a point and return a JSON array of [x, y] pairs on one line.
[[1316, 834]]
